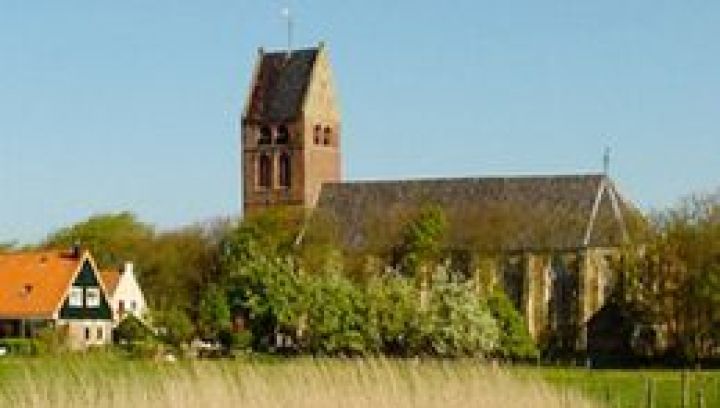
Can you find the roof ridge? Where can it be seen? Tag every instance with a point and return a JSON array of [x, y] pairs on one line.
[[471, 178]]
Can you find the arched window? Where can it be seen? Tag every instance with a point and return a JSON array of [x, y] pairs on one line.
[[265, 171], [326, 136], [316, 135], [265, 135], [283, 135], [285, 170]]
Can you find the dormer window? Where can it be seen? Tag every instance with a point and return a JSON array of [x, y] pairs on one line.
[[283, 135], [265, 136]]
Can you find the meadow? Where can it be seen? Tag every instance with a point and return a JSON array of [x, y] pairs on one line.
[[111, 381]]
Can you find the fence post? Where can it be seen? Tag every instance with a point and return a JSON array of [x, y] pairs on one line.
[[683, 390], [700, 398], [648, 393]]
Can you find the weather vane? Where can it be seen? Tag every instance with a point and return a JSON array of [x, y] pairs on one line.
[[606, 160], [288, 16]]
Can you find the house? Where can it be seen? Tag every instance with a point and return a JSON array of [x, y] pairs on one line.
[[60, 290], [554, 238], [124, 292]]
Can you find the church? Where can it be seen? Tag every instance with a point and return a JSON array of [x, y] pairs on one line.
[[561, 233]]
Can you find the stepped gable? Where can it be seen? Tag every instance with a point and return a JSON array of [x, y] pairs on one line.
[[281, 83], [538, 212]]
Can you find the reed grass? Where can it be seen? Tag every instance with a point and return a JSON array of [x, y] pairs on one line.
[[317, 383]]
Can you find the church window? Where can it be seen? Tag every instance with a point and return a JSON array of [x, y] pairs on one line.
[[283, 135], [265, 171], [326, 136], [316, 135], [265, 135], [285, 171]]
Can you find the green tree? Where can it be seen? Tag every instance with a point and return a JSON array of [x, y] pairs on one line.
[[214, 313], [112, 238], [514, 339]]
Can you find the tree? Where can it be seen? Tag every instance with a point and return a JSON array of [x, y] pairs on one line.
[[514, 339], [112, 238], [214, 312]]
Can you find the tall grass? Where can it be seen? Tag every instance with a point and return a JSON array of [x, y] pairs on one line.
[[292, 383]]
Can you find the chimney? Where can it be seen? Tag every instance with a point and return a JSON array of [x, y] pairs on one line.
[[75, 250], [127, 268]]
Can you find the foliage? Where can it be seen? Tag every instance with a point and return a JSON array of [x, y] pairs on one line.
[[515, 341], [422, 238], [174, 327], [112, 238], [214, 313], [393, 314], [456, 323], [132, 329], [22, 347], [336, 319], [672, 279]]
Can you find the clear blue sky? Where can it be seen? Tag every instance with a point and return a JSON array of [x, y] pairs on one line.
[[133, 105]]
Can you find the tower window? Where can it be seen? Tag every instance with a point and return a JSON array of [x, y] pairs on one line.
[[326, 136], [283, 135], [264, 171], [265, 135], [285, 170], [316, 134]]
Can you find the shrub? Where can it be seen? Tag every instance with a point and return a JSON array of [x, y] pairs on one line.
[[336, 317], [515, 341], [22, 347], [132, 329]]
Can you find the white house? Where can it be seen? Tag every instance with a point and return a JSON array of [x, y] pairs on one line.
[[124, 293]]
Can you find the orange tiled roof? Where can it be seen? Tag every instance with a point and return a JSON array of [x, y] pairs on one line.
[[110, 279], [33, 284]]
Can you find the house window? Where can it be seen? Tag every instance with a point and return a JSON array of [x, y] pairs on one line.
[[133, 305], [76, 297], [92, 297], [121, 307], [100, 333], [285, 171], [87, 333], [265, 171], [265, 135], [283, 135]]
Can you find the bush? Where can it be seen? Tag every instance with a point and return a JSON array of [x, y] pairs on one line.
[[457, 324], [336, 318], [174, 327], [393, 318], [515, 340], [22, 347], [132, 329]]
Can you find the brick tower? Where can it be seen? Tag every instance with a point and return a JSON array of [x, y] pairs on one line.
[[290, 130]]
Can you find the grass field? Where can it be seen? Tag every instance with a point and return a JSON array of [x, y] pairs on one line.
[[110, 381]]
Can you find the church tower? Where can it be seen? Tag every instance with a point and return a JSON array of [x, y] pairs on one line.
[[290, 130]]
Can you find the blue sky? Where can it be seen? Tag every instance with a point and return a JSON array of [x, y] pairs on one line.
[[133, 105]]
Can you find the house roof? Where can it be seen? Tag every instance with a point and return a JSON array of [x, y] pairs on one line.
[[34, 284], [110, 279], [280, 85], [510, 213]]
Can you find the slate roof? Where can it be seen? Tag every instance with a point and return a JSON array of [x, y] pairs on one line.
[[280, 85], [33, 284], [536, 212]]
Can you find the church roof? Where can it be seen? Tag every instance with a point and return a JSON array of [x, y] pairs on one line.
[[509, 213], [280, 84]]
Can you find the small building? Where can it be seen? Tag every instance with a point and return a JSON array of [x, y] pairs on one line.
[[59, 290], [124, 292]]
